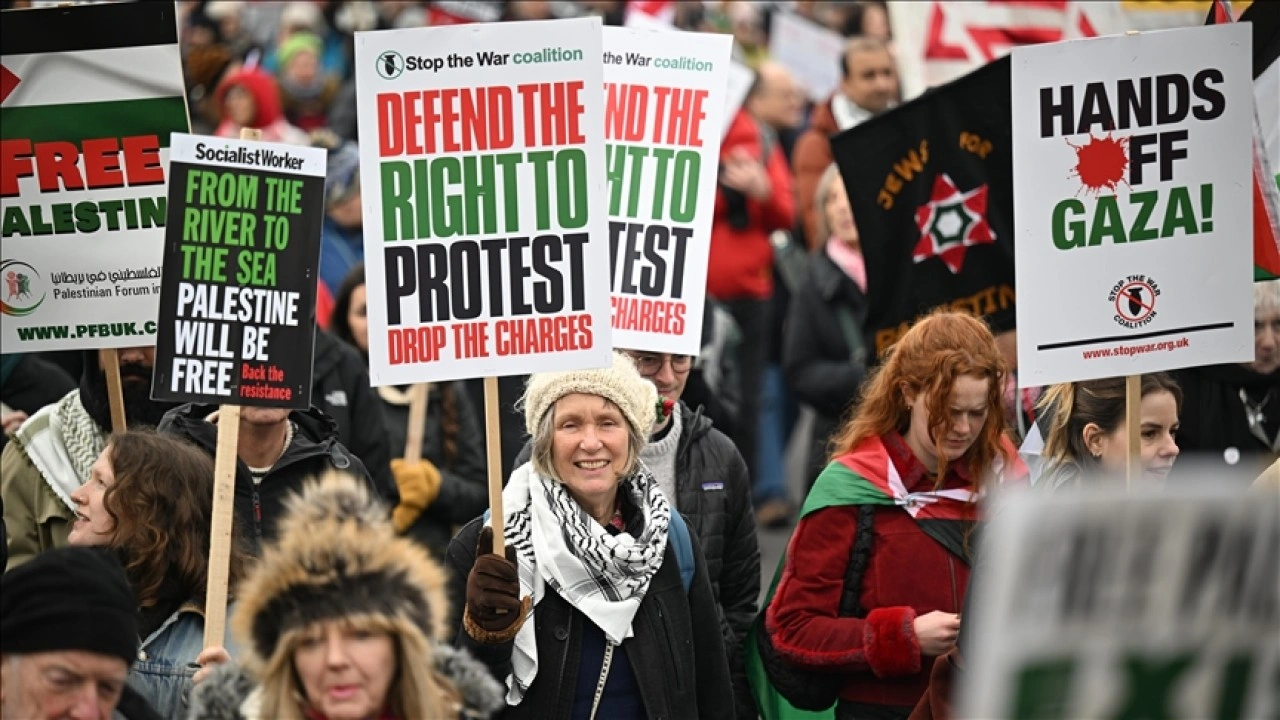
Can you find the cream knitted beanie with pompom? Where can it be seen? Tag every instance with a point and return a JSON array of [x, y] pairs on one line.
[[620, 383]]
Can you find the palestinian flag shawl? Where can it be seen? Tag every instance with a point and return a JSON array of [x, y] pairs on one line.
[[867, 476]]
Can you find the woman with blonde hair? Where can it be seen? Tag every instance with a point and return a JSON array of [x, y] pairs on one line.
[[875, 575], [1085, 430], [343, 620]]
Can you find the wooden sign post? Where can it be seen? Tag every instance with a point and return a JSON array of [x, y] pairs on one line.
[[1133, 429], [493, 452], [418, 393], [115, 394]]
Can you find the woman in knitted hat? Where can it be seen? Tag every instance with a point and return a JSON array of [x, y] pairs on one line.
[[618, 618], [340, 620], [149, 497]]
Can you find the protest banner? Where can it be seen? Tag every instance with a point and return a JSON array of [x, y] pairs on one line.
[[242, 245], [937, 41], [810, 51], [88, 98], [1134, 226], [664, 101], [483, 172], [930, 183], [1107, 605], [1264, 19]]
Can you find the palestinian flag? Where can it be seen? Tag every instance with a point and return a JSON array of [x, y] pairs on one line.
[[88, 98], [867, 476], [1265, 17], [931, 187]]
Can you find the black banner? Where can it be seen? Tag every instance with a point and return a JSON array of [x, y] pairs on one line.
[[931, 187], [237, 302]]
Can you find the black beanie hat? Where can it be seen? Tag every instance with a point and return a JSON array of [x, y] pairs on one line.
[[69, 599]]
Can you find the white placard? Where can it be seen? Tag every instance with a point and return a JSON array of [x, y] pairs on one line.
[[740, 79], [1133, 206], [664, 101], [810, 51], [482, 167], [1112, 605]]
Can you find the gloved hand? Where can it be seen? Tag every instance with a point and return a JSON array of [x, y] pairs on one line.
[[494, 610], [419, 484]]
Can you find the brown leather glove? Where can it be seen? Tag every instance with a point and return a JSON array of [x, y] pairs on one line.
[[494, 611]]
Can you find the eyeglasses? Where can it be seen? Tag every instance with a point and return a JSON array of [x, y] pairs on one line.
[[651, 363]]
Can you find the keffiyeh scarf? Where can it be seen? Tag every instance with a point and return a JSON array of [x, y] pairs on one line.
[[559, 544]]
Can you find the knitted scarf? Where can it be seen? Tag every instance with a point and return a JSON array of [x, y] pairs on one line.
[[559, 544], [80, 435]]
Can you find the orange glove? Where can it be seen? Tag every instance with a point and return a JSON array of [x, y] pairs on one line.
[[419, 484]]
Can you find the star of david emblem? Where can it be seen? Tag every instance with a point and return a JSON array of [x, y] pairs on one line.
[[951, 223]]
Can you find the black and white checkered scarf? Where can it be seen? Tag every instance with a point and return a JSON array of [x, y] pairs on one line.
[[559, 544]]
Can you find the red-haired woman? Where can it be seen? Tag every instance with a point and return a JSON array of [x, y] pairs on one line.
[[150, 498], [892, 512]]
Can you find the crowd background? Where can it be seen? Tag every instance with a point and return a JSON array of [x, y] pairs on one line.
[[782, 360], [781, 357]]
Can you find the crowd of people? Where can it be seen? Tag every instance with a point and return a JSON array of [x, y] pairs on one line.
[[363, 577]]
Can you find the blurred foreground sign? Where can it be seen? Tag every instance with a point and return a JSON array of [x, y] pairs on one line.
[[1115, 606]]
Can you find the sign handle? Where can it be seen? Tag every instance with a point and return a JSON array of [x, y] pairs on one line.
[[114, 394], [493, 447], [224, 489], [1133, 429], [417, 421]]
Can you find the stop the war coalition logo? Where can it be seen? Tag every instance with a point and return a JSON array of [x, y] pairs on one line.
[[1135, 301]]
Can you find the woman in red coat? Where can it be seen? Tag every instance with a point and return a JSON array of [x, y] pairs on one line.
[[896, 505]]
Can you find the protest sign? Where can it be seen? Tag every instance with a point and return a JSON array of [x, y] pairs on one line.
[[741, 78], [1110, 605], [810, 51], [88, 97], [1133, 215], [664, 99], [242, 245], [931, 187], [483, 176]]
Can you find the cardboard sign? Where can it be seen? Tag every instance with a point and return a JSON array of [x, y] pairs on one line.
[[482, 162], [810, 51], [1132, 159], [88, 97], [1114, 605], [664, 97], [237, 312]]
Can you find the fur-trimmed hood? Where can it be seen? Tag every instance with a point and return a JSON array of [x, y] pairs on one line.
[[229, 693], [337, 557]]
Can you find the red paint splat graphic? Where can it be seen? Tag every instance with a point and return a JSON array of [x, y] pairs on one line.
[[8, 81], [1101, 162]]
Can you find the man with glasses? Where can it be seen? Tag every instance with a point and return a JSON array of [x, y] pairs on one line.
[[701, 471]]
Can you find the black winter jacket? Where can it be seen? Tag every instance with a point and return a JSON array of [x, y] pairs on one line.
[[1213, 419], [816, 356], [464, 483], [340, 388], [678, 660], [315, 449], [713, 492]]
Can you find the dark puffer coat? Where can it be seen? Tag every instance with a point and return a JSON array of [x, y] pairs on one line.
[[315, 450], [714, 495], [678, 661]]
